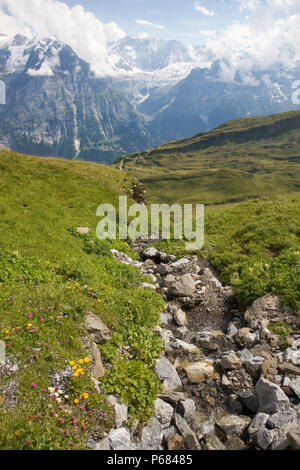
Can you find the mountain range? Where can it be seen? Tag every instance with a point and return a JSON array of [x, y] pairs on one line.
[[158, 91]]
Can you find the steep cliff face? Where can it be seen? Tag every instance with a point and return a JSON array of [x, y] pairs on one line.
[[56, 106]]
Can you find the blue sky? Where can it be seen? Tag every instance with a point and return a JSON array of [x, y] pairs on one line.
[[179, 18]]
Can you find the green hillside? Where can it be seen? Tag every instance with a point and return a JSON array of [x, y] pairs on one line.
[[50, 276], [244, 158]]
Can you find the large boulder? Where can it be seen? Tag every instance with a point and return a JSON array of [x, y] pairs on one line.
[[119, 439], [262, 309], [163, 413], [166, 372], [232, 424], [185, 286], [97, 330], [151, 438], [271, 399]]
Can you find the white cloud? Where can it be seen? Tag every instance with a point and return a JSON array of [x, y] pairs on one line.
[[270, 34], [85, 33], [149, 23], [205, 11], [207, 32]]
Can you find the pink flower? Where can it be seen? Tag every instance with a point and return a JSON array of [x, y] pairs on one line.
[[34, 385], [67, 432]]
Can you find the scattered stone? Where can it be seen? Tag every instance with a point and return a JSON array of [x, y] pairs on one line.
[[97, 329], [292, 355], [232, 332], [199, 372], [119, 439], [121, 410], [230, 361], [295, 387], [187, 348], [254, 365], [271, 398], [152, 435], [175, 442], [187, 409], [180, 318], [172, 397], [287, 368], [264, 308], [83, 230], [189, 436], [151, 253], [232, 424], [180, 263], [168, 375], [280, 419], [163, 413], [293, 438], [249, 400], [2, 353], [98, 370], [184, 286], [245, 338], [102, 445]]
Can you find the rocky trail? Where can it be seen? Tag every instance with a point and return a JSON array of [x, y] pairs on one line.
[[227, 381]]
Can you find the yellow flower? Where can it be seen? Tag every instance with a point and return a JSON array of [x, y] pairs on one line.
[[29, 325], [7, 332], [72, 363], [86, 360], [74, 367], [85, 396], [76, 401], [81, 361], [76, 374]]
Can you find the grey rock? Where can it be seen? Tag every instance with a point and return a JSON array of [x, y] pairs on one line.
[[172, 397], [187, 433], [245, 355], [151, 253], [232, 331], [293, 438], [229, 361], [259, 421], [187, 409], [168, 375], [97, 329], [295, 387], [2, 353], [280, 419], [163, 413], [187, 348], [98, 370], [184, 286], [83, 230], [152, 435], [119, 439], [180, 263], [232, 424], [263, 308], [180, 317], [102, 445], [169, 280], [249, 400], [271, 398], [121, 410], [292, 355], [253, 366]]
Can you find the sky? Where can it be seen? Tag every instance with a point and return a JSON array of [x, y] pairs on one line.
[[260, 31]]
